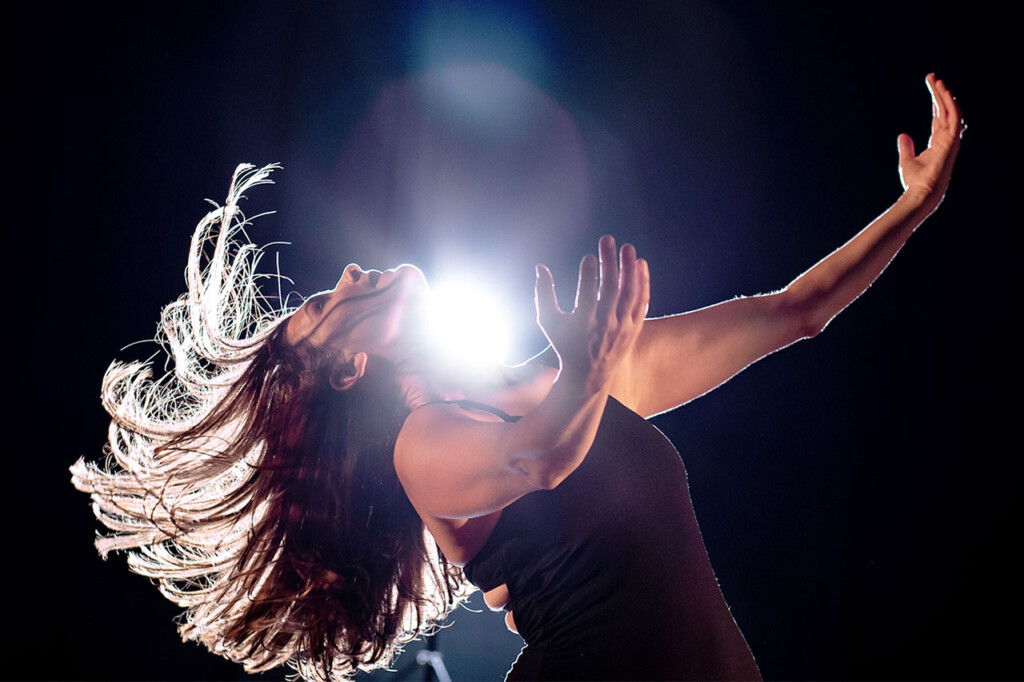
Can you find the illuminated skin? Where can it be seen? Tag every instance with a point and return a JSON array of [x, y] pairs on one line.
[[368, 313], [460, 468]]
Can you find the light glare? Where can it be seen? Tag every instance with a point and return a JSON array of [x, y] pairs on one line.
[[467, 323]]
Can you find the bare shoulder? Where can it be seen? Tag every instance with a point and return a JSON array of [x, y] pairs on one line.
[[440, 483], [459, 466], [455, 464], [426, 434]]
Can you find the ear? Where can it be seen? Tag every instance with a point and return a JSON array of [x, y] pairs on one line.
[[345, 375]]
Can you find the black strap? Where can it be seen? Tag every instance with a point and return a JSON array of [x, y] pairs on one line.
[[474, 405]]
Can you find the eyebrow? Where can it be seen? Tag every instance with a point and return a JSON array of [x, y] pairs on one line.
[[305, 307], [350, 299], [304, 310], [314, 297]]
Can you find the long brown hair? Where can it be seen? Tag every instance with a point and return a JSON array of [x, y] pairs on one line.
[[259, 498]]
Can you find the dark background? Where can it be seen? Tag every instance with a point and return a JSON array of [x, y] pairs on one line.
[[859, 494]]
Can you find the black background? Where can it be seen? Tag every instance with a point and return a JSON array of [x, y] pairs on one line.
[[859, 494]]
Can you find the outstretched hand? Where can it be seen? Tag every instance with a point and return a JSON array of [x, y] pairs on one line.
[[928, 173], [611, 301]]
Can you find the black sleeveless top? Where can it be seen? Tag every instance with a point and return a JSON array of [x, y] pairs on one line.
[[607, 574]]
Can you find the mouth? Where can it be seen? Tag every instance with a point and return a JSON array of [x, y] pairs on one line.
[[374, 276]]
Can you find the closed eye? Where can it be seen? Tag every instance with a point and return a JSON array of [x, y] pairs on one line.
[[316, 303]]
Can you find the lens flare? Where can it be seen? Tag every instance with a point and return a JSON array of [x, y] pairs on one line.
[[467, 323]]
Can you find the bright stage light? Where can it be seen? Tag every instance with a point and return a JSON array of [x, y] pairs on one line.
[[468, 323]]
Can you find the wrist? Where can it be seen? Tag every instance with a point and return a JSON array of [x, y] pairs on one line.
[[584, 381], [920, 198]]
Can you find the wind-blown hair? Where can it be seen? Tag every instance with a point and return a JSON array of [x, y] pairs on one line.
[[256, 496]]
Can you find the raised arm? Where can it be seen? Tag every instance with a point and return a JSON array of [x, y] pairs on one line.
[[681, 357], [454, 466]]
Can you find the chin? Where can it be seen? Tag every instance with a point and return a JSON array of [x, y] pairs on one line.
[[413, 296], [413, 275], [414, 290]]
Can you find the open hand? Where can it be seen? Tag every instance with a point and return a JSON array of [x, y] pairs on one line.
[[611, 301], [928, 173]]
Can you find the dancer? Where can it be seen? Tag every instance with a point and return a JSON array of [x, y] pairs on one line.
[[315, 487]]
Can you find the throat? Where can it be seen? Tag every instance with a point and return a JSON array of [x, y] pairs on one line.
[[498, 385], [515, 390]]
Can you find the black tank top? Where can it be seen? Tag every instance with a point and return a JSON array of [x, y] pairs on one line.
[[607, 574]]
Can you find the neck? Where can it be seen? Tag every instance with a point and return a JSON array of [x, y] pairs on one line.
[[429, 380], [420, 385]]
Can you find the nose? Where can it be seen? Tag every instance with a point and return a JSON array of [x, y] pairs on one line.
[[352, 274]]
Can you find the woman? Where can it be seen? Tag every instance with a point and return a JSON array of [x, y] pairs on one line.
[[277, 484]]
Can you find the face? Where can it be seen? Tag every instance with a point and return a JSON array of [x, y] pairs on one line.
[[368, 311]]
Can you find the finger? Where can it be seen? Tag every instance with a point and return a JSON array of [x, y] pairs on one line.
[[933, 84], [643, 276], [609, 285], [946, 102], [627, 281], [938, 123], [586, 287], [954, 116], [544, 297], [950, 118], [641, 292]]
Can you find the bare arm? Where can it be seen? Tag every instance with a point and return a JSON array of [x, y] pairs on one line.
[[681, 357], [455, 467]]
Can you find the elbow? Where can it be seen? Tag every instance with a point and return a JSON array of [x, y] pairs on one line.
[[542, 475], [551, 481], [543, 478], [809, 327], [803, 316], [809, 331]]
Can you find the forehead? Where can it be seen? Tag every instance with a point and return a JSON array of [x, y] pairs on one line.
[[293, 328]]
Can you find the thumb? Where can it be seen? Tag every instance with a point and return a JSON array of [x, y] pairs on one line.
[[905, 144], [544, 296]]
